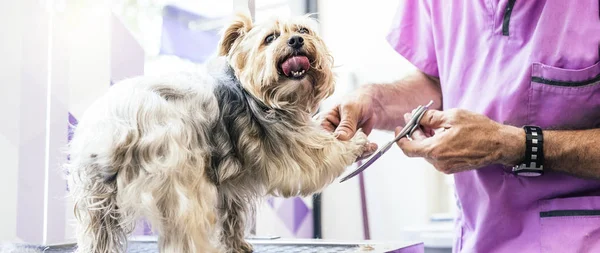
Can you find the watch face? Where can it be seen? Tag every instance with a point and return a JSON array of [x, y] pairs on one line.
[[529, 173]]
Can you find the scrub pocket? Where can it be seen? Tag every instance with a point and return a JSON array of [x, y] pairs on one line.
[[564, 98], [570, 225]]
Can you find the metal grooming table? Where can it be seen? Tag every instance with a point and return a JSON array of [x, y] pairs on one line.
[[149, 245]]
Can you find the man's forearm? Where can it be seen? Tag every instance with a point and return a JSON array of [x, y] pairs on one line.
[[392, 101], [574, 152]]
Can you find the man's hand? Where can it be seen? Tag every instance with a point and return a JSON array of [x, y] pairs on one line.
[[458, 140], [346, 118], [380, 106]]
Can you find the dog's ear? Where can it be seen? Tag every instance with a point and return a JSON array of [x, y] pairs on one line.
[[234, 32]]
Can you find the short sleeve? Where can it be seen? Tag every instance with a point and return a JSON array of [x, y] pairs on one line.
[[411, 35]]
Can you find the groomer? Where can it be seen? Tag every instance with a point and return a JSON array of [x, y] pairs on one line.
[[517, 89]]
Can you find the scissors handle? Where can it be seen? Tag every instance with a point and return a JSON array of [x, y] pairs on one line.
[[414, 121], [417, 123]]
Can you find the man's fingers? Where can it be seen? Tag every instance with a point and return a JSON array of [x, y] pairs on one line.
[[418, 134], [327, 125], [368, 125], [329, 120], [414, 148], [333, 118], [433, 119], [343, 121], [348, 122], [397, 131]]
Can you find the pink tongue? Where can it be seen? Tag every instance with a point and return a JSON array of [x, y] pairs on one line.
[[295, 63]]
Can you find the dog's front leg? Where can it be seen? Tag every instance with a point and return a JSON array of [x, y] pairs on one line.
[[233, 214], [320, 159]]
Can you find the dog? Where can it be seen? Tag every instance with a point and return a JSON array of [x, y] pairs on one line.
[[193, 153]]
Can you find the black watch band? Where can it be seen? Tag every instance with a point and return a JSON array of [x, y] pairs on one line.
[[533, 164]]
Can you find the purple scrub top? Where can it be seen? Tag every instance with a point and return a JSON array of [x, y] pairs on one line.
[[527, 62]]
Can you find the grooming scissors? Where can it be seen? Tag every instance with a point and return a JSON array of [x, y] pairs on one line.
[[408, 129]]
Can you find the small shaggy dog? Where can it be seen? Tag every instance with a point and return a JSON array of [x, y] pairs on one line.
[[194, 152]]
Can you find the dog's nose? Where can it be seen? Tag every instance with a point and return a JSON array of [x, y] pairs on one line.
[[296, 42]]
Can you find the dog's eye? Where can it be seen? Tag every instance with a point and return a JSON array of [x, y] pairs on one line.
[[303, 30], [270, 38]]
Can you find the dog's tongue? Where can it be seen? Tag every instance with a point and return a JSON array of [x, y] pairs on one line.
[[295, 63]]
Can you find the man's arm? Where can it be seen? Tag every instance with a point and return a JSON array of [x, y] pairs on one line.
[[392, 101], [575, 152]]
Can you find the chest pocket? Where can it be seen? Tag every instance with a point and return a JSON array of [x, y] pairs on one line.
[[564, 98]]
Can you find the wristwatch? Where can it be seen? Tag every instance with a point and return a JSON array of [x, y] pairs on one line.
[[533, 164]]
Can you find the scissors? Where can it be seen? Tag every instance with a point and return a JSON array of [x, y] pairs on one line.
[[408, 129]]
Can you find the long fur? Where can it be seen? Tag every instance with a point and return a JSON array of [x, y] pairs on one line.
[[193, 152]]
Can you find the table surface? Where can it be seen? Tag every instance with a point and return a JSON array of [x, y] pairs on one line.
[[148, 245]]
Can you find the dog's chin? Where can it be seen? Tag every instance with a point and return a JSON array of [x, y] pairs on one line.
[[295, 90], [302, 86]]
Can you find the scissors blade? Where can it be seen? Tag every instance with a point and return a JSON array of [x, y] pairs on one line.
[[362, 167], [374, 158]]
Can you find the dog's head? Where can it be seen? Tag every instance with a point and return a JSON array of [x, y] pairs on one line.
[[282, 62]]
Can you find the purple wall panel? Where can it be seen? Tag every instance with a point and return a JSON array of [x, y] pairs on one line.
[[126, 55], [294, 214], [180, 40]]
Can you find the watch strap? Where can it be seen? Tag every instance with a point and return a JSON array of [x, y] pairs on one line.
[[533, 163]]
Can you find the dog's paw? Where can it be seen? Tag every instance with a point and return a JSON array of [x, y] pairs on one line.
[[360, 138], [360, 142], [247, 248], [244, 247]]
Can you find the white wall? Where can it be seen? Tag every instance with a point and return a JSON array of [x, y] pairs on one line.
[[80, 56], [10, 77], [401, 192]]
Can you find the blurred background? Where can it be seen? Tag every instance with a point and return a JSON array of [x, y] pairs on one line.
[[58, 56]]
